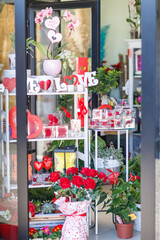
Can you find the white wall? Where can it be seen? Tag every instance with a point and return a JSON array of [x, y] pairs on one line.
[[114, 13]]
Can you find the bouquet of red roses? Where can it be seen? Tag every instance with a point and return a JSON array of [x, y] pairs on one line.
[[77, 185]]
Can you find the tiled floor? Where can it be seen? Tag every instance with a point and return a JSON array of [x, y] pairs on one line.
[[106, 229]]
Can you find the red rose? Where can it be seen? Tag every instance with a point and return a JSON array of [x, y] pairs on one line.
[[32, 231], [89, 183], [113, 177], [54, 176], [32, 209], [72, 170], [102, 176], [93, 173], [65, 183], [85, 171], [77, 181]]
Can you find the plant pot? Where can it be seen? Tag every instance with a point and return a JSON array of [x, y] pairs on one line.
[[52, 67], [57, 211], [137, 221], [113, 165], [134, 34], [125, 231], [12, 61]]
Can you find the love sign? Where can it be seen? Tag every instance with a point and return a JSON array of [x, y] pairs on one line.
[[54, 37]]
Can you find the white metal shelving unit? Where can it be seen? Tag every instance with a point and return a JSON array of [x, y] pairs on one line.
[[5, 139], [133, 44]]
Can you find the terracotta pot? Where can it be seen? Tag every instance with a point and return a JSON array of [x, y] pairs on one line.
[[52, 67], [125, 231]]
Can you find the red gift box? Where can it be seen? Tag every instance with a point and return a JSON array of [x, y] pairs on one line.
[[81, 65]]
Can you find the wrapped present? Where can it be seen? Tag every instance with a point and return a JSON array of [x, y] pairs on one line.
[[75, 225]]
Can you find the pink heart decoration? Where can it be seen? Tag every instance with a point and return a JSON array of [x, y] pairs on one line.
[[35, 124], [9, 83], [54, 37], [52, 23]]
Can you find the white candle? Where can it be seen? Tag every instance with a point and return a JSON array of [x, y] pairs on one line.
[[70, 88], [79, 88]]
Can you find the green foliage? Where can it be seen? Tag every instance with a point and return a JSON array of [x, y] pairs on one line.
[[107, 81], [29, 41], [48, 208], [66, 101], [42, 49], [122, 200], [134, 167], [40, 194]]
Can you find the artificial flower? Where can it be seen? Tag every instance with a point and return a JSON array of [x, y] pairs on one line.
[[57, 228], [67, 16], [32, 231], [131, 5], [72, 170], [85, 171], [139, 98], [93, 173]]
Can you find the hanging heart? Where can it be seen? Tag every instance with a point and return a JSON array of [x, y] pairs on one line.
[[54, 37], [52, 23], [70, 78], [47, 162], [45, 84], [38, 165], [9, 83], [35, 124]]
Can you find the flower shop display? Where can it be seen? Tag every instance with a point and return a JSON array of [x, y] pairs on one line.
[[134, 19], [122, 204], [52, 23], [74, 192], [118, 118], [46, 232]]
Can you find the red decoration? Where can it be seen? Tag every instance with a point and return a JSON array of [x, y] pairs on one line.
[[53, 120], [81, 65], [70, 78], [38, 165], [9, 83], [68, 115], [47, 162], [45, 84], [105, 106], [35, 124]]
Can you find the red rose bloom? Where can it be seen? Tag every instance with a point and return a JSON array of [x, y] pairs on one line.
[[89, 183], [32, 209], [77, 181], [93, 173], [85, 171], [65, 183], [54, 176], [32, 231], [72, 170], [57, 228], [102, 176]]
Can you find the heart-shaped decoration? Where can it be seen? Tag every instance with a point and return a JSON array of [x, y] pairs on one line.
[[70, 78], [47, 162], [54, 37], [38, 165], [45, 84], [83, 68], [52, 23], [9, 83], [35, 124]]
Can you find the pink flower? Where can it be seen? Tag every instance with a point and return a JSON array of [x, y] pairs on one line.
[[46, 230], [139, 99], [67, 16], [48, 12], [38, 20], [131, 5], [73, 24]]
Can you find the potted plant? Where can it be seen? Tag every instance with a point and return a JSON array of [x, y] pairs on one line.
[[109, 158], [74, 192], [122, 204], [134, 9], [53, 65]]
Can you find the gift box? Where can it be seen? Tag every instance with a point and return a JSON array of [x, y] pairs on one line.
[[62, 131], [54, 119], [75, 127], [75, 225], [64, 158], [129, 122], [49, 131], [119, 123], [97, 113], [94, 123]]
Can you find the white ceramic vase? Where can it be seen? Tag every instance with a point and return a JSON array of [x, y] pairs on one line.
[[12, 61], [137, 221], [52, 67]]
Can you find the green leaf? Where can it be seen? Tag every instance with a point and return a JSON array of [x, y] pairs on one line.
[[42, 49], [102, 197]]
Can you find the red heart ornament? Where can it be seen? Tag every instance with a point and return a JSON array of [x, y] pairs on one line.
[[38, 165], [35, 124], [47, 164], [9, 83], [45, 84], [70, 78]]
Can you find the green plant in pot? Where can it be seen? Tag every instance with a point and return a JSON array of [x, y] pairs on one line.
[[122, 204], [48, 208], [109, 158]]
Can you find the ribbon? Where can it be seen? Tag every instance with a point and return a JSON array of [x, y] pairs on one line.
[[83, 109], [68, 115]]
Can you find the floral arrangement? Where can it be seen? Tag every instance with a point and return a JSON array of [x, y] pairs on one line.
[[46, 232], [52, 22], [32, 210], [134, 8], [77, 185]]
